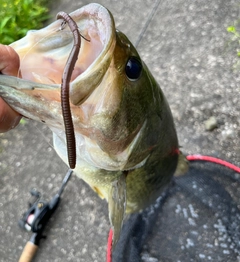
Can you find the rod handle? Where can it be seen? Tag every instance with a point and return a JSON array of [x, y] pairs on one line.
[[29, 252]]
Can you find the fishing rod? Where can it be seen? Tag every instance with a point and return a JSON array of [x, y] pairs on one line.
[[36, 218]]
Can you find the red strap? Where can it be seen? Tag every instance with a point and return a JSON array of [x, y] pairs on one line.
[[213, 160], [109, 246], [189, 158]]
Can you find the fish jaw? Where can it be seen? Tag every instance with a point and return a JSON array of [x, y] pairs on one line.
[[43, 54]]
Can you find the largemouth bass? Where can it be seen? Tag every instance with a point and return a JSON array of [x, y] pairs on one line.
[[127, 147]]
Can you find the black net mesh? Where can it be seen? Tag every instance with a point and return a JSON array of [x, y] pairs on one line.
[[196, 219]]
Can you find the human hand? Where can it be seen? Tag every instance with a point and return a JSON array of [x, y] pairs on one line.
[[9, 65]]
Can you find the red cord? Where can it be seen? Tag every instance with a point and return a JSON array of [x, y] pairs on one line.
[[189, 158], [109, 246], [213, 160]]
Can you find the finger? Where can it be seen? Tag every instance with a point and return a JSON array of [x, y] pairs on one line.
[[8, 117], [9, 61], [9, 65]]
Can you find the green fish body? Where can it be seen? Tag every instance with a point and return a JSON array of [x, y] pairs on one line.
[[127, 146]]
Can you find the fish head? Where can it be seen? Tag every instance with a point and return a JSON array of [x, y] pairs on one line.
[[121, 118]]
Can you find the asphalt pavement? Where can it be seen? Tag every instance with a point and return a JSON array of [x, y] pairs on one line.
[[187, 48]]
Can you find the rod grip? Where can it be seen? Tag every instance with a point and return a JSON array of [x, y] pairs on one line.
[[29, 252]]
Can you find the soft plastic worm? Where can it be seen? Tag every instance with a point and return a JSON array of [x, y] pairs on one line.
[[66, 111]]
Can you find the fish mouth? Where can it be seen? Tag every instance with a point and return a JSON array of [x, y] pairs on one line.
[[96, 105], [43, 53]]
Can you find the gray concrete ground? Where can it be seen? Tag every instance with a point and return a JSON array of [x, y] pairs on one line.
[[186, 46]]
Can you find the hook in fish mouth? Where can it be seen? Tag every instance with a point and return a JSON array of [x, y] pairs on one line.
[[43, 53], [114, 117]]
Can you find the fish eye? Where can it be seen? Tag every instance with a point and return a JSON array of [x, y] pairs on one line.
[[133, 68]]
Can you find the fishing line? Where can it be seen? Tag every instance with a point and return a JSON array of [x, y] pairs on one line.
[[149, 19]]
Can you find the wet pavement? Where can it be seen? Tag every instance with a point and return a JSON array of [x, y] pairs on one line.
[[188, 50]]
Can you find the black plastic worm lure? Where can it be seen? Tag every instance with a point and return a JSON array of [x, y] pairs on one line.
[[67, 73]]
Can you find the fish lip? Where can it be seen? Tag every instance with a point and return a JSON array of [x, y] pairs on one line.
[[106, 30], [99, 13]]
